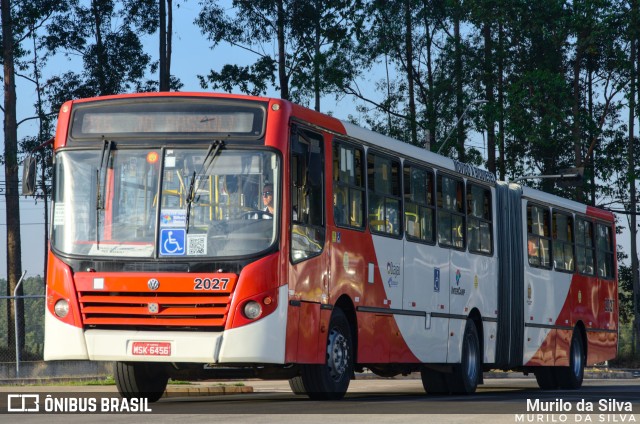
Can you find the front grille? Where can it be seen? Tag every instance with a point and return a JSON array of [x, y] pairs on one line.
[[160, 309]]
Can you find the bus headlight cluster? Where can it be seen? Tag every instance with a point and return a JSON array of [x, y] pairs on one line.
[[252, 309], [61, 308]]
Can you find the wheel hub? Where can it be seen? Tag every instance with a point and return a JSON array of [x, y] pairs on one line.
[[337, 354]]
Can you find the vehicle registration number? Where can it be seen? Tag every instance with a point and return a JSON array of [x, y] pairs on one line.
[[151, 348]]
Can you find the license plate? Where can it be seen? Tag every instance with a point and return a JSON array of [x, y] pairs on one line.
[[151, 348]]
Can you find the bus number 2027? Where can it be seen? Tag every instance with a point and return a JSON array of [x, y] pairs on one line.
[[210, 283]]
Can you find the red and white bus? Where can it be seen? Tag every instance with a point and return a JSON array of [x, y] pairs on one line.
[[206, 235]]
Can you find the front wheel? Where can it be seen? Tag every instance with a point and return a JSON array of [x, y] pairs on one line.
[[330, 380], [140, 380]]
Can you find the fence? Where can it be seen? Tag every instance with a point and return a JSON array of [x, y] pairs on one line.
[[28, 326]]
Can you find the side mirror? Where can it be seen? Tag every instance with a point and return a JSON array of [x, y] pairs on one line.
[[29, 175]]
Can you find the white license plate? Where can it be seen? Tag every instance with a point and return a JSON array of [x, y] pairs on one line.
[[151, 348]]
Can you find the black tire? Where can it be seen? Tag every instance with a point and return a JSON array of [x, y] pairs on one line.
[[546, 378], [297, 385], [140, 380], [330, 380], [571, 377], [434, 382], [466, 375]]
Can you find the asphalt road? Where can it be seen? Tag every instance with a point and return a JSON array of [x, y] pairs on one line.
[[510, 400]]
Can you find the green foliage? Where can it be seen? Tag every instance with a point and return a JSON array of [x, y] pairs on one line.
[[33, 317]]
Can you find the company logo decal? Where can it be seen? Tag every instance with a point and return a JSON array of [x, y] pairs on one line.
[[153, 284], [458, 291], [393, 271]]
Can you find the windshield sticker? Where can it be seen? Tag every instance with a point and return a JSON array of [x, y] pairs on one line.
[[125, 250], [172, 242], [173, 218], [196, 244], [58, 216]]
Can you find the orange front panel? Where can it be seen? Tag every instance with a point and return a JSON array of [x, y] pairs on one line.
[[178, 300]]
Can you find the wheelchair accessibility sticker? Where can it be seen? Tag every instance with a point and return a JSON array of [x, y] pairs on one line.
[[172, 241]]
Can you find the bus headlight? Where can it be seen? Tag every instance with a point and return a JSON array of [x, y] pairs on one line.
[[252, 309], [61, 308]]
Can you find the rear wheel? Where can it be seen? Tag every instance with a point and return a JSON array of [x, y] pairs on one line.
[[434, 382], [330, 380], [571, 377], [546, 378], [466, 375], [140, 380]]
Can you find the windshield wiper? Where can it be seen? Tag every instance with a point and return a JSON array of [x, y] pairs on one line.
[[214, 148], [101, 178]]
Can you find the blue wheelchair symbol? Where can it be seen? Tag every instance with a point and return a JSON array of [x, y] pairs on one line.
[[172, 242]]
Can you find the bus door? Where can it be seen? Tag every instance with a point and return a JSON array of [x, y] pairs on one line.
[[308, 276]]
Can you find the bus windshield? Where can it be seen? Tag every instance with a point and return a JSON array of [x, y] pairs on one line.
[[211, 202]]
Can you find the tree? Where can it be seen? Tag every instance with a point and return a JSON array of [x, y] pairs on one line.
[[14, 261], [309, 39], [19, 20], [105, 35]]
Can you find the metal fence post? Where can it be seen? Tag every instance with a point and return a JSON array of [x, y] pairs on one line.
[[15, 319]]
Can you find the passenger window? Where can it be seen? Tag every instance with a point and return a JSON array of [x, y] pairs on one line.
[[538, 236], [563, 242], [419, 204], [479, 220], [348, 185], [585, 250], [451, 213], [604, 250], [383, 174]]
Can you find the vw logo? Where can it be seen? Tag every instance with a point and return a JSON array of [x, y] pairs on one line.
[[153, 284]]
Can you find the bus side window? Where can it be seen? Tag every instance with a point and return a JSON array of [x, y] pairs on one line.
[[563, 242], [451, 213], [383, 175], [479, 220], [604, 251], [585, 254], [419, 204], [538, 236], [348, 185]]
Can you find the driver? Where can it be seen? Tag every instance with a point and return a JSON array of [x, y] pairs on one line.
[[267, 200]]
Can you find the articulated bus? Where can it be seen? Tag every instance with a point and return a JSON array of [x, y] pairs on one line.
[[199, 236]]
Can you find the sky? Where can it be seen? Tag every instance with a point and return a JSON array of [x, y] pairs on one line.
[[191, 56]]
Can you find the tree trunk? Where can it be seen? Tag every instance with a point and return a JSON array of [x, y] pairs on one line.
[[459, 93], [282, 58], [409, 59], [169, 42], [577, 144], [14, 260], [501, 139], [316, 60], [164, 80], [489, 120], [632, 190], [101, 57]]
